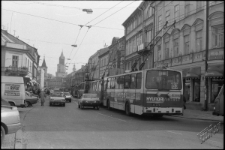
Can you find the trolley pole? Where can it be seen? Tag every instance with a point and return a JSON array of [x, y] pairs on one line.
[[206, 56]]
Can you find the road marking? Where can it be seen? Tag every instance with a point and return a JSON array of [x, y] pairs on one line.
[[175, 132], [112, 117]]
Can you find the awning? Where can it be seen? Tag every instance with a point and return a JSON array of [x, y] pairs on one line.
[[215, 71], [192, 73]]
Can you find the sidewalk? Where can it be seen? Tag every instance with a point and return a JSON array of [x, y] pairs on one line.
[[202, 115]]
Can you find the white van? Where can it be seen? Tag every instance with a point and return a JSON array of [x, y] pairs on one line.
[[13, 90]]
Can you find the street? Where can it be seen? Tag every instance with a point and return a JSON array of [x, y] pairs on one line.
[[70, 127]]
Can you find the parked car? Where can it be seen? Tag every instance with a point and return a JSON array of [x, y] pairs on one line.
[[10, 119], [88, 99], [30, 99], [57, 98], [67, 96]]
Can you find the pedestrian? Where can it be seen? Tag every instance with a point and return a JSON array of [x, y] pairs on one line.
[[184, 99], [42, 95]]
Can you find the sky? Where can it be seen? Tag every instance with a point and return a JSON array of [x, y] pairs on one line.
[[53, 26]]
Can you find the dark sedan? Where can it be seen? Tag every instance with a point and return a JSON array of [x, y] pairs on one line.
[[57, 98]]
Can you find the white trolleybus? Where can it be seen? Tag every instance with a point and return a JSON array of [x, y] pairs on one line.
[[152, 91]]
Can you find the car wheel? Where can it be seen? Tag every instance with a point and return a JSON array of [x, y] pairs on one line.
[[11, 104], [127, 109], [2, 134], [26, 104], [158, 116]]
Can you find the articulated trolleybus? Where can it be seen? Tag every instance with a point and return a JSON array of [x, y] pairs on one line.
[[152, 91]]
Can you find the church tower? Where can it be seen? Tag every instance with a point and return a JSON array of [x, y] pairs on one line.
[[61, 68], [45, 68]]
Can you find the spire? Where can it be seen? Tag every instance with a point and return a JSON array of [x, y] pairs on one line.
[[62, 56], [44, 63]]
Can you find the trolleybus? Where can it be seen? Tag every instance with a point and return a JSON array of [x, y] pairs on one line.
[[155, 91]]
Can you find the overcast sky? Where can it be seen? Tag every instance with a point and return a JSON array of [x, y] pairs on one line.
[[53, 26]]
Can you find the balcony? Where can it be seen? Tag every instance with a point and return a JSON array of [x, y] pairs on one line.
[[144, 48], [15, 71]]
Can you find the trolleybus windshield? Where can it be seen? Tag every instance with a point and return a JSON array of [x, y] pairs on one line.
[[163, 80]]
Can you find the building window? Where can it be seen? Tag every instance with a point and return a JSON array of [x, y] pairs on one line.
[[199, 5], [149, 11], [176, 47], [159, 52], [167, 49], [160, 22], [217, 36], [186, 44], [167, 15], [15, 61], [198, 41], [187, 8], [149, 36], [176, 11]]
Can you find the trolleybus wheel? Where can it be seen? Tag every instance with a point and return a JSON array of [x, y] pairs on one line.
[[108, 104]]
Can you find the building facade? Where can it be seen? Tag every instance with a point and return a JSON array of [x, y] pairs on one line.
[[139, 30], [184, 47], [17, 57], [116, 59], [103, 62], [93, 66]]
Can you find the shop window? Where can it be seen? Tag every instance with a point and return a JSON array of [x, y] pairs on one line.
[[196, 90], [216, 86]]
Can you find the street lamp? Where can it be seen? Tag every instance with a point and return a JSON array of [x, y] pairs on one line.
[[74, 45], [88, 11]]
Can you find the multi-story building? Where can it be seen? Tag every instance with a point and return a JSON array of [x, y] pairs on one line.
[[103, 62], [18, 58], [184, 46], [117, 51], [80, 75], [93, 66], [139, 30]]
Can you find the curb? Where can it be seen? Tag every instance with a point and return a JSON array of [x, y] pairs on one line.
[[200, 119], [18, 139]]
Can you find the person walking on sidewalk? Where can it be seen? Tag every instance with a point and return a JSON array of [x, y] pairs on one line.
[[42, 95]]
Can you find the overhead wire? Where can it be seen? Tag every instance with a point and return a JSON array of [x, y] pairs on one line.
[[104, 12], [52, 19], [113, 13], [80, 44]]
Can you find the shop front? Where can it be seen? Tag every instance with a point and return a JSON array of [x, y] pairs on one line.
[[215, 77]]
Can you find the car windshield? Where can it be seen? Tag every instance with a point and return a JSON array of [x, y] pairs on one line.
[[66, 93], [55, 94], [90, 96]]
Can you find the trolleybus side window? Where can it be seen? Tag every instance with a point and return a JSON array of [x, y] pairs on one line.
[[127, 81], [138, 80], [116, 84], [109, 83], [120, 82], [112, 83], [133, 81]]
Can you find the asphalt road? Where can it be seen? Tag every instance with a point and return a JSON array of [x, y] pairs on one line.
[[71, 127]]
